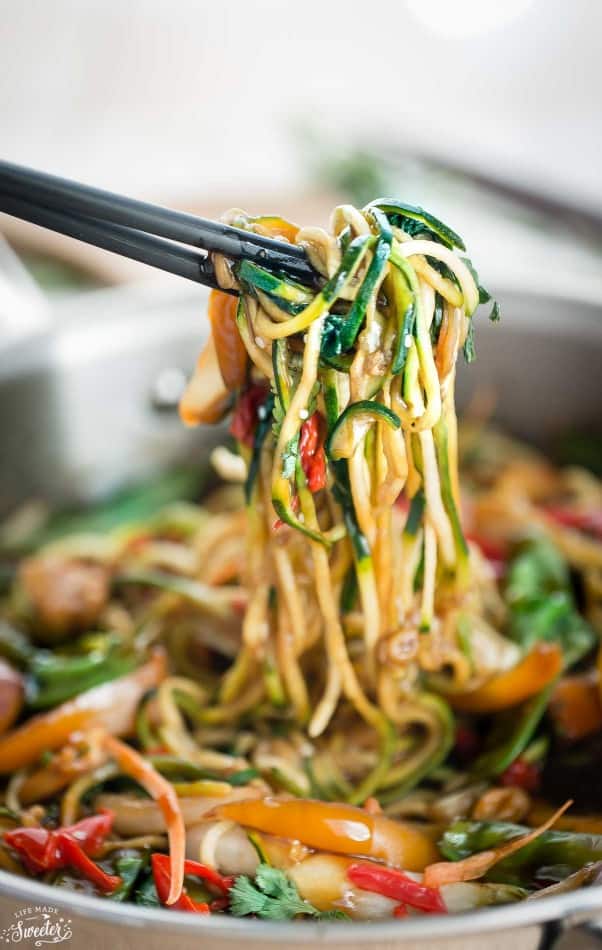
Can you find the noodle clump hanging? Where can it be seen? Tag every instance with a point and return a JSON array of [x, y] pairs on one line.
[[358, 572]]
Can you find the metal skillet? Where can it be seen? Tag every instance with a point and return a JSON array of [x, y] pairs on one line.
[[544, 363]]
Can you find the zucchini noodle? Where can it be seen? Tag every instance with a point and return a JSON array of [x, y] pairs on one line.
[[369, 362]]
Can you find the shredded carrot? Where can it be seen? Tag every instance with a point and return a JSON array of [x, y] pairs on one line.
[[164, 794], [452, 872]]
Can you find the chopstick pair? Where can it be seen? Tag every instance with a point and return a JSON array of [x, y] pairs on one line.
[[170, 240]]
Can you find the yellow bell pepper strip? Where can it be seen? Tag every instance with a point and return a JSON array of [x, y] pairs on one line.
[[538, 668], [111, 705], [230, 350], [450, 872], [339, 828], [163, 792]]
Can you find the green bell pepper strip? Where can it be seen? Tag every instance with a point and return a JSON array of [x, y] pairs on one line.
[[564, 851]]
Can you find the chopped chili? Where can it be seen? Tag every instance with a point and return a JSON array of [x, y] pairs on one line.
[[77, 858], [246, 413], [398, 886], [311, 451], [522, 774], [43, 850], [216, 882]]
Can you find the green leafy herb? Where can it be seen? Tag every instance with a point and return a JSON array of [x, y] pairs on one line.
[[146, 893], [289, 457], [272, 896], [542, 606], [128, 867], [470, 353]]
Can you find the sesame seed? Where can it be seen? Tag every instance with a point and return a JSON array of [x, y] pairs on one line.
[[304, 414], [259, 342], [408, 341]]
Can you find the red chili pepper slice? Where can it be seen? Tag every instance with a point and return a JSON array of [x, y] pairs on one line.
[[77, 858], [398, 886], [162, 878], [521, 774], [36, 847], [311, 451], [589, 522], [245, 417], [41, 850]]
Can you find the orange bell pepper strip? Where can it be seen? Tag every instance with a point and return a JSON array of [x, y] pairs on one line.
[[111, 705], [575, 706], [163, 792], [229, 347], [339, 828], [538, 668]]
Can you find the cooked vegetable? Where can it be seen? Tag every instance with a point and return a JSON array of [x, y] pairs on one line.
[[398, 886], [558, 852], [231, 354], [342, 829], [271, 896], [111, 706], [133, 765], [479, 864], [42, 850], [539, 668], [542, 606]]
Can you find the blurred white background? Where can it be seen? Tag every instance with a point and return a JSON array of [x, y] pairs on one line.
[[178, 95], [201, 104]]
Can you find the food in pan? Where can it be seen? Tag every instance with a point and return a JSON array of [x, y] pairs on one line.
[[336, 687]]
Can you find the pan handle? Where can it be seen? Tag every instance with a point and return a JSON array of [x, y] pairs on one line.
[[561, 934]]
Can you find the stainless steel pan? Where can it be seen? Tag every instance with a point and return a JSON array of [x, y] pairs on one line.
[[91, 406]]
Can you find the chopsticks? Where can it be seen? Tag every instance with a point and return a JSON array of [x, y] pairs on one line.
[[167, 239]]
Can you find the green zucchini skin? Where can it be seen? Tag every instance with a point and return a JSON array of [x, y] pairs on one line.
[[365, 407], [255, 276], [393, 208]]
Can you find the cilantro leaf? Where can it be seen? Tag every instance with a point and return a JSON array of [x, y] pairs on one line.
[[289, 457], [272, 896], [469, 347]]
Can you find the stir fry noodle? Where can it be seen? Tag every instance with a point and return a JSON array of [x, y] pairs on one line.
[[336, 686]]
